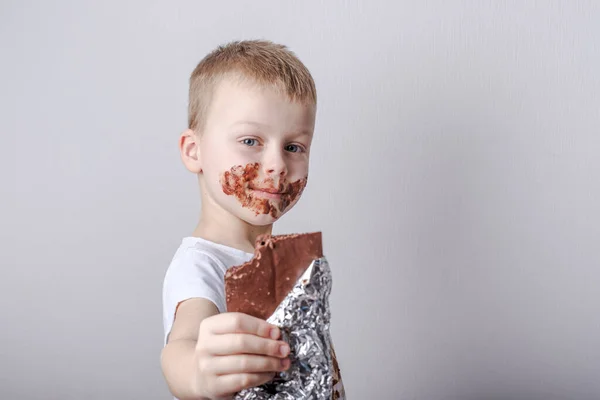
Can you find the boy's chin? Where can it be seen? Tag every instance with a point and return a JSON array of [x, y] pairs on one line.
[[260, 219], [254, 219]]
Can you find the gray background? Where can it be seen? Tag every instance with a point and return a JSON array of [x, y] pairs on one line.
[[455, 175]]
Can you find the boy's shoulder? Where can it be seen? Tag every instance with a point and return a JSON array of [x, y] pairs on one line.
[[198, 252], [197, 270]]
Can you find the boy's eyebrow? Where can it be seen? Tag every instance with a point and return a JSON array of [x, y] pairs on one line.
[[252, 123], [301, 132]]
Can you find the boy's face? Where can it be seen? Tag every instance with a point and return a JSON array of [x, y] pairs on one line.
[[254, 151]]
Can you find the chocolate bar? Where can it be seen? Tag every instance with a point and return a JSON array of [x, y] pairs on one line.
[[260, 285], [288, 283]]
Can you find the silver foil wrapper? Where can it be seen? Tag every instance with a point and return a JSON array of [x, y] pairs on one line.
[[303, 317]]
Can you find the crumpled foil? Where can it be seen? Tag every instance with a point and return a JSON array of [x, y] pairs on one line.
[[303, 317]]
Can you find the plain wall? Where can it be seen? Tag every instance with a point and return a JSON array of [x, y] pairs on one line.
[[454, 174]]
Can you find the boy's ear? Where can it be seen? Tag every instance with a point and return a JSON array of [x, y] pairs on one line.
[[189, 149]]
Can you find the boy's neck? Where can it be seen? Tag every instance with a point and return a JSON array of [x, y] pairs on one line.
[[225, 229]]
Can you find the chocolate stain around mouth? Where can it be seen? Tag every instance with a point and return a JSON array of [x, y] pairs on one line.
[[239, 179]]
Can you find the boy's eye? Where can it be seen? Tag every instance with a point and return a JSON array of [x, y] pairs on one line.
[[294, 148], [250, 142]]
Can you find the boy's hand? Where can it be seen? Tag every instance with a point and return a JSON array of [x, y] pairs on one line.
[[236, 351]]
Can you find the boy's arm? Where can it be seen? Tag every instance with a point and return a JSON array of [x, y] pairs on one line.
[[178, 359], [211, 355]]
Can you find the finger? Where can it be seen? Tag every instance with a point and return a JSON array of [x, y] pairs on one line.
[[246, 363], [233, 383], [242, 323], [239, 343]]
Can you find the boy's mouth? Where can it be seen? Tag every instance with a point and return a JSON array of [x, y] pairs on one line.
[[267, 192]]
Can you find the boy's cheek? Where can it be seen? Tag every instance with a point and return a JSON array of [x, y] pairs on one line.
[[298, 167], [223, 156], [235, 179]]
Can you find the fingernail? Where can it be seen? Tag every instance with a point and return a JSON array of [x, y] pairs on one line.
[[284, 349], [285, 363], [274, 333]]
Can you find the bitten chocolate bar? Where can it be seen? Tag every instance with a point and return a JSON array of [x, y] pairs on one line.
[[259, 286], [288, 283]]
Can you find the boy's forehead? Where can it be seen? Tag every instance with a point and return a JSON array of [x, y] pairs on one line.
[[241, 100], [237, 87]]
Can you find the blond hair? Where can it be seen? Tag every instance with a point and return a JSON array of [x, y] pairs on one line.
[[262, 62]]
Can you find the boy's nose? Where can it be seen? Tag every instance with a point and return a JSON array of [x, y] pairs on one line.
[[275, 165]]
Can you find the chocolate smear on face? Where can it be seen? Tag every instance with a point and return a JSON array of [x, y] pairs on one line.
[[240, 180], [294, 191]]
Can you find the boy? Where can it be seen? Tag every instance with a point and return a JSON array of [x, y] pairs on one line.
[[251, 119]]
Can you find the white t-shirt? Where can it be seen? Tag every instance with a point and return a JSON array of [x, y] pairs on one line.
[[198, 270]]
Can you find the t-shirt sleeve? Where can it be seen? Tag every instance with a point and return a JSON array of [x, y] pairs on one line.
[[192, 274]]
